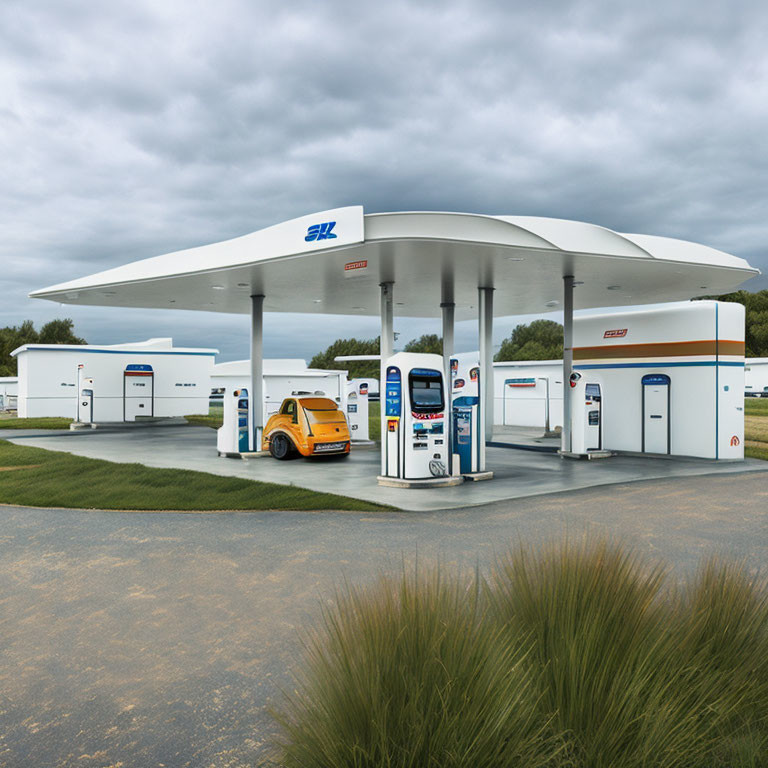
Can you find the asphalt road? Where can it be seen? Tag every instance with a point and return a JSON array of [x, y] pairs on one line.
[[142, 640]]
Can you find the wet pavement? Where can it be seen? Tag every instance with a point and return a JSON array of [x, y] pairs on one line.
[[142, 640]]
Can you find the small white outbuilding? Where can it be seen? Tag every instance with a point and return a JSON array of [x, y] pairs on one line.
[[526, 391], [756, 377], [122, 382], [282, 378], [9, 389]]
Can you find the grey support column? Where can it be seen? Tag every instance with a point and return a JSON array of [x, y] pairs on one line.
[[386, 348], [485, 338], [448, 308], [257, 369], [565, 444]]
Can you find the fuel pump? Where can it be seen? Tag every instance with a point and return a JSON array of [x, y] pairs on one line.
[[357, 410], [466, 415], [234, 436], [413, 417], [586, 415], [85, 405]]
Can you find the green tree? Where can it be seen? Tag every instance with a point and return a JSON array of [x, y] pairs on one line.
[[429, 342], [539, 340], [13, 337], [359, 369], [59, 331], [756, 320]]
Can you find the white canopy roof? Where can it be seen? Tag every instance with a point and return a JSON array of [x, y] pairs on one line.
[[333, 262]]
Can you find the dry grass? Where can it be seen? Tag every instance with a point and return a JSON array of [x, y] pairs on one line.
[[756, 428]]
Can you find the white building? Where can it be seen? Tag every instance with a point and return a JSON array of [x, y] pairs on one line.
[[282, 378], [694, 348], [523, 392], [671, 379], [9, 389], [143, 379], [756, 377]]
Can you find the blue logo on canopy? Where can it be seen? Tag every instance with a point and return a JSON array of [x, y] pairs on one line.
[[322, 231]]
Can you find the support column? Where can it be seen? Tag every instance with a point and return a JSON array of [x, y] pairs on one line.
[[257, 370], [565, 444], [386, 348], [485, 338], [448, 308]]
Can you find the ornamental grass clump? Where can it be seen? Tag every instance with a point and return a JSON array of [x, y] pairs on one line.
[[576, 655], [722, 637], [631, 672], [409, 673]]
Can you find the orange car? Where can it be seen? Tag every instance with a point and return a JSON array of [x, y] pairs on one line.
[[311, 426]]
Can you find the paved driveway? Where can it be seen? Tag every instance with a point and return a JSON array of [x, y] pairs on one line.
[[156, 639]]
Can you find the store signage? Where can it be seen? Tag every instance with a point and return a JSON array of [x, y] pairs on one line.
[[615, 334]]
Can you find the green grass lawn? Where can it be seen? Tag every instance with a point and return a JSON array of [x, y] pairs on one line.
[[756, 406], [756, 428], [48, 422], [42, 478], [212, 420], [374, 420]]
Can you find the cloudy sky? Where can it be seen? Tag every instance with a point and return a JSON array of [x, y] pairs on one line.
[[129, 129]]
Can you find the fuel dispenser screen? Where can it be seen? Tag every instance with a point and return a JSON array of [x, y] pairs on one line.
[[426, 390], [394, 396]]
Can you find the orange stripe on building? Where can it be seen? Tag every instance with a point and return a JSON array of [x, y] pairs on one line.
[[710, 347]]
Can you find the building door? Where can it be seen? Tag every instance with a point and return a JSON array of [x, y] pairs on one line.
[[138, 392], [656, 413]]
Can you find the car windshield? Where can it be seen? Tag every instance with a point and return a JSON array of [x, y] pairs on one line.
[[318, 404]]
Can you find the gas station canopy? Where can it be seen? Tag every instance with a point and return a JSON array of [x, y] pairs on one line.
[[334, 262]]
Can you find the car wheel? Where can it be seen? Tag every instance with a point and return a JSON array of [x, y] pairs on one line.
[[280, 447]]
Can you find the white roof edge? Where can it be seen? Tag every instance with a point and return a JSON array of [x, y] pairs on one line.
[[116, 348], [640, 308], [502, 363]]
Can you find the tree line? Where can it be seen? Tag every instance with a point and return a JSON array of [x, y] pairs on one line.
[[59, 331], [539, 340], [756, 321]]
